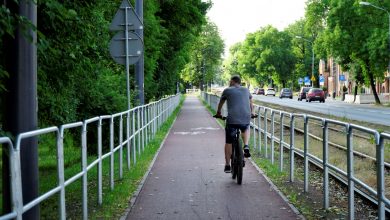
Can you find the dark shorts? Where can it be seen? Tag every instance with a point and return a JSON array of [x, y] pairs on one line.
[[230, 128]]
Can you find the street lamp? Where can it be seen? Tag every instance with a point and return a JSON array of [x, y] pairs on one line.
[[312, 58], [388, 13]]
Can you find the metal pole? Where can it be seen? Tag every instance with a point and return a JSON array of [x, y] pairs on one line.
[[139, 67], [272, 135], [350, 174], [380, 178], [325, 156], [305, 152], [281, 141], [292, 131], [21, 101], [265, 133], [127, 60]]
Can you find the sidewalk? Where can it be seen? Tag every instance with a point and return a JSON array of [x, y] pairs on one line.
[[187, 180]]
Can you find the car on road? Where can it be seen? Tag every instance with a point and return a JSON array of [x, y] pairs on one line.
[[270, 91], [315, 94], [286, 93], [302, 93], [260, 91]]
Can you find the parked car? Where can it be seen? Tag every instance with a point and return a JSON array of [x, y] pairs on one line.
[[302, 93], [255, 90], [286, 93], [260, 91], [315, 94], [270, 91]]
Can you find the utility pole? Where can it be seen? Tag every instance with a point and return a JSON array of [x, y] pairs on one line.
[[139, 67], [20, 111]]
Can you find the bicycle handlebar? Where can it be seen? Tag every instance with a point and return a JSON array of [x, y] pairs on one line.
[[224, 117]]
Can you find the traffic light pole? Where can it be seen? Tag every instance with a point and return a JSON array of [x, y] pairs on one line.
[[20, 113]]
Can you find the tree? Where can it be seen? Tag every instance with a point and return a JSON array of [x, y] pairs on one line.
[[205, 58], [267, 54], [354, 34]]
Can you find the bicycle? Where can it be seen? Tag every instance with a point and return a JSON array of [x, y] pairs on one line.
[[237, 158]]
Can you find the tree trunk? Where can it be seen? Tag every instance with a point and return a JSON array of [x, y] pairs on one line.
[[355, 92], [372, 84]]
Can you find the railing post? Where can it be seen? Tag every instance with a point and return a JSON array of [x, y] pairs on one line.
[[272, 135], [254, 132], [265, 132], [121, 147], [292, 140], [325, 153], [305, 152], [112, 153], [84, 168], [143, 128], [99, 166], [259, 127], [133, 137], [350, 172], [281, 138], [61, 173], [16, 183], [139, 131], [128, 140], [380, 159]]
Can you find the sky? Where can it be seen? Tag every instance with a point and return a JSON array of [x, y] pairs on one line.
[[237, 18]]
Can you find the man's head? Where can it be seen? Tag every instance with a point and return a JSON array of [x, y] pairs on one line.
[[235, 80]]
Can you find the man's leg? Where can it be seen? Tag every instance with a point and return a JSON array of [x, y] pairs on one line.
[[245, 137], [228, 153]]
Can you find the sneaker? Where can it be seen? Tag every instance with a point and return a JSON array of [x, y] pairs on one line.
[[246, 151], [227, 169]]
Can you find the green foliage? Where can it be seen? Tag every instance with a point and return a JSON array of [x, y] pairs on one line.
[[354, 34], [77, 77], [267, 54], [205, 60]]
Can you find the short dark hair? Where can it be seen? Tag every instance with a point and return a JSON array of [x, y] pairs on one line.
[[236, 79]]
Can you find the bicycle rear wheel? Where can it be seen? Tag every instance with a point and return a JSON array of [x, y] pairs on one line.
[[233, 164], [239, 162]]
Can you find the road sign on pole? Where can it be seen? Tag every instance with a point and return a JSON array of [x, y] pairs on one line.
[[300, 81], [307, 81], [322, 80], [126, 47]]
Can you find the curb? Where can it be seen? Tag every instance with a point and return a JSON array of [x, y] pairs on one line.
[[142, 183], [275, 188]]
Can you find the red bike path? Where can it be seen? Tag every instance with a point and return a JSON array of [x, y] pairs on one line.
[[187, 179]]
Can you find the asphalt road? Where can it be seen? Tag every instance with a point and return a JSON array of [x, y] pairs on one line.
[[363, 112], [187, 179]]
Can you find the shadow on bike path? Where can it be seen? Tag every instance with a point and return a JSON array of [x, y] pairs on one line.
[[187, 179]]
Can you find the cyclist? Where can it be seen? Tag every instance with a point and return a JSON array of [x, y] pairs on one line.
[[240, 109]]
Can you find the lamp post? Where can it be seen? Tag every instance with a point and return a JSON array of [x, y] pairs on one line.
[[312, 58], [388, 13]]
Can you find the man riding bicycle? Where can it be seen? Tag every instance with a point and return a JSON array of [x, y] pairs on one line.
[[240, 110]]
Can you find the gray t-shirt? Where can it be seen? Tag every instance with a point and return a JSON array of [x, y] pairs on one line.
[[238, 104]]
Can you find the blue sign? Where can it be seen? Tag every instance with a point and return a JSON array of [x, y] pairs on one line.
[[307, 80], [342, 77], [300, 81], [322, 80]]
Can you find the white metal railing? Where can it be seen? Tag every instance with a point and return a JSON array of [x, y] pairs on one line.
[[192, 91], [142, 124], [260, 133]]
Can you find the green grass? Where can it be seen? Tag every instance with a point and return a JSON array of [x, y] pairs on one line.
[[115, 201]]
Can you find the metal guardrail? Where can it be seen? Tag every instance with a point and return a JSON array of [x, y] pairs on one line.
[[142, 124], [260, 133], [192, 91]]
